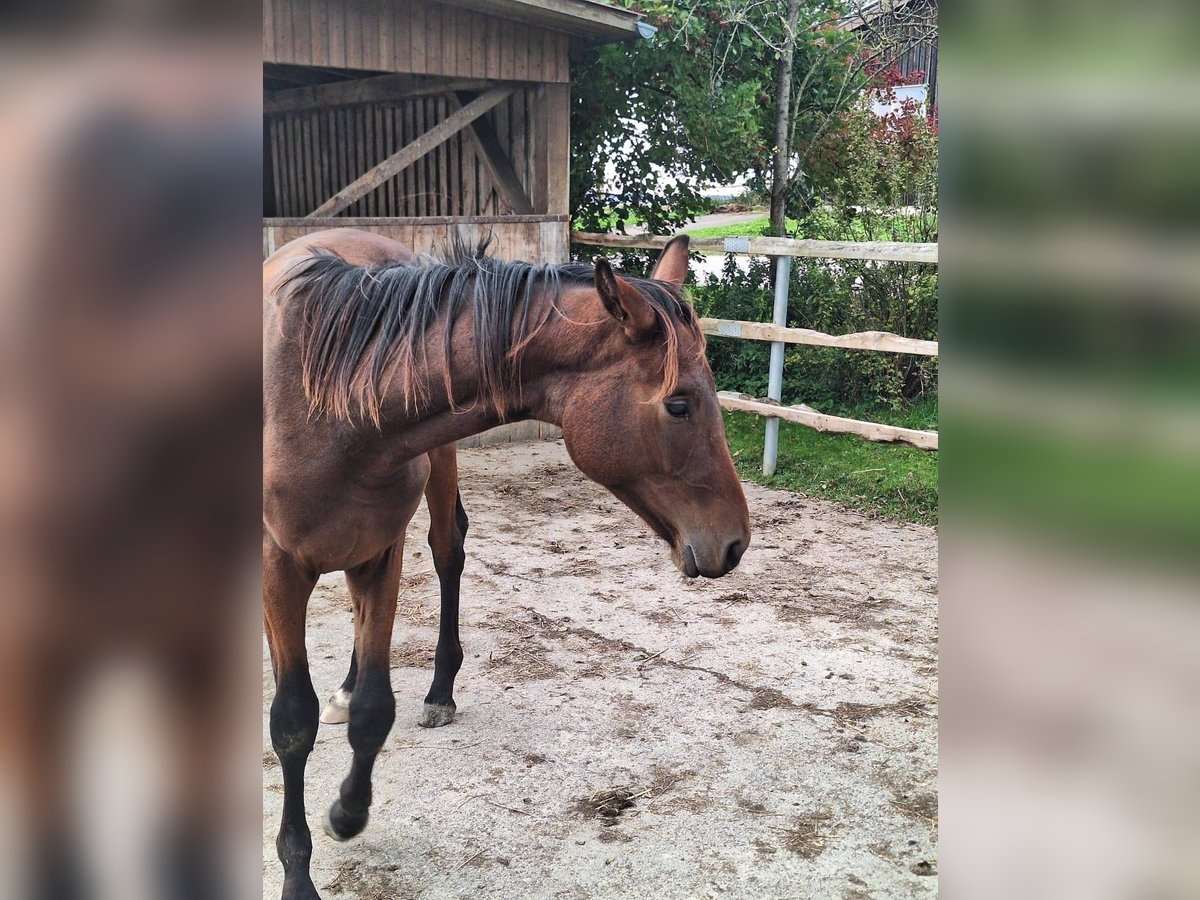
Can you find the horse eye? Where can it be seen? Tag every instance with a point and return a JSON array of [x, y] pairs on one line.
[[678, 409]]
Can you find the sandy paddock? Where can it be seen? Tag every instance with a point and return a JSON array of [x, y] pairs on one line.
[[623, 732]]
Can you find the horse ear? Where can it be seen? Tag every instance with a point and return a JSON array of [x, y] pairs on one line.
[[672, 264], [623, 302]]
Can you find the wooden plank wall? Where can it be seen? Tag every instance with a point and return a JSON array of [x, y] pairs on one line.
[[312, 155], [412, 36], [532, 238]]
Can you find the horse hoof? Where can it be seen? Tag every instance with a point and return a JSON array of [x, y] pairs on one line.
[[340, 825], [436, 715], [337, 710]]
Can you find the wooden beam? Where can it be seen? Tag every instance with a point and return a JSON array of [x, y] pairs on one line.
[[359, 221], [364, 90], [582, 17], [806, 415], [409, 154], [860, 340], [883, 251], [297, 74], [495, 160], [558, 151]]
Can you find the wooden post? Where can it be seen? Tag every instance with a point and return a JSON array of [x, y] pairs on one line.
[[783, 275]]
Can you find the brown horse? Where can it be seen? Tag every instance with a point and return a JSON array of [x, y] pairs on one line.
[[374, 364]]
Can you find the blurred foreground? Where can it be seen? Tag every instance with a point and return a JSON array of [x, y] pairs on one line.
[[1071, 454], [129, 469]]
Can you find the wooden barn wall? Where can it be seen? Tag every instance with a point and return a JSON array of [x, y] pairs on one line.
[[411, 36], [922, 57], [314, 154], [532, 238]]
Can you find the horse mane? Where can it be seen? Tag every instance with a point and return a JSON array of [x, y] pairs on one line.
[[364, 325]]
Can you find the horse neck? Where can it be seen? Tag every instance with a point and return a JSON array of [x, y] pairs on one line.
[[552, 360], [563, 349]]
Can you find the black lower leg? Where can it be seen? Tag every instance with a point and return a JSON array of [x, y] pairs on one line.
[[372, 712], [293, 732], [448, 657], [352, 674]]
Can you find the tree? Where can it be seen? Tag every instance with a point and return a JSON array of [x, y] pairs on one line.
[[783, 110], [725, 87], [653, 114]]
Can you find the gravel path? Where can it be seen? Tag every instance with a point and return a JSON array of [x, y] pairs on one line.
[[623, 732]]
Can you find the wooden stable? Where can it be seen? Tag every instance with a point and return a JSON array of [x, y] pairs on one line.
[[417, 119]]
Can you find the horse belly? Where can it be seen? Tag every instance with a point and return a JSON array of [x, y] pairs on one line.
[[333, 524]]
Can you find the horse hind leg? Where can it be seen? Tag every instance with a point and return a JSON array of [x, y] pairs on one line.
[[294, 711], [447, 531], [374, 587], [337, 708], [441, 494]]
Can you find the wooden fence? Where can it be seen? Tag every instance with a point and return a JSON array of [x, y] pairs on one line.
[[777, 332]]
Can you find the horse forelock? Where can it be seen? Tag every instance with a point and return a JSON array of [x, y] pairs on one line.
[[363, 327]]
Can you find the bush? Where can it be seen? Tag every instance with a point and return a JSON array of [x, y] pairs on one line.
[[836, 298], [880, 183]]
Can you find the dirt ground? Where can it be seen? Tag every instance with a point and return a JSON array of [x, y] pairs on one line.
[[624, 732]]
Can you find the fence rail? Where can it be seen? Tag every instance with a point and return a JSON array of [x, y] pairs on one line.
[[881, 251], [806, 415], [860, 340], [779, 334]]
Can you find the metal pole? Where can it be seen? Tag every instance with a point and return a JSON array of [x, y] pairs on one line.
[[783, 274]]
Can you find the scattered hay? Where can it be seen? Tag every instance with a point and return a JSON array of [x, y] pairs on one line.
[[522, 660], [608, 805], [270, 760], [763, 848], [696, 803], [355, 878], [613, 836], [520, 656], [845, 713], [734, 597], [770, 698], [922, 807], [883, 851], [410, 655], [413, 607], [807, 836], [666, 616], [751, 806], [583, 568], [663, 780]]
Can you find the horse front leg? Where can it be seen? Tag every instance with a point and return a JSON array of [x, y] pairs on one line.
[[447, 531], [374, 588], [286, 589]]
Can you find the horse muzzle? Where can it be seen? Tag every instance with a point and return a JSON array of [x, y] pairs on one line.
[[712, 564]]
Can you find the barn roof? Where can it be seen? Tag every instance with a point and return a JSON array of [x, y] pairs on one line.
[[583, 18]]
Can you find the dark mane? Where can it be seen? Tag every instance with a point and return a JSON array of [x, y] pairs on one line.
[[362, 326]]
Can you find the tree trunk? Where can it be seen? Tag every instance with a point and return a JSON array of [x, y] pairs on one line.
[[783, 116]]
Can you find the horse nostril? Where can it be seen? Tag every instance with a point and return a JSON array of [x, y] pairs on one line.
[[733, 555]]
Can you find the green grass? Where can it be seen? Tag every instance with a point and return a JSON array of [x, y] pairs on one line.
[[610, 221], [753, 228], [889, 480]]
